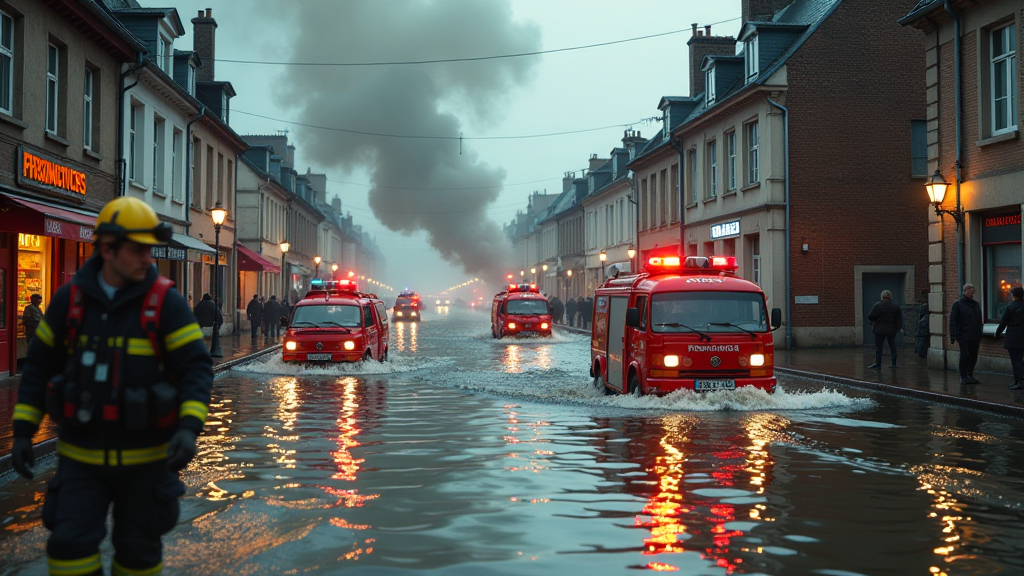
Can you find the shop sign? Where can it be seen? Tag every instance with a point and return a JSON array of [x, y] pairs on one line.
[[47, 173], [208, 259], [805, 300], [67, 230], [169, 253], [1001, 229], [725, 230]]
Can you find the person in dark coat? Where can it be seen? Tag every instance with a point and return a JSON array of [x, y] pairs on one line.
[[272, 316], [206, 311], [588, 311], [965, 324], [556, 310], [923, 327], [570, 311], [1013, 323], [255, 312], [886, 321]]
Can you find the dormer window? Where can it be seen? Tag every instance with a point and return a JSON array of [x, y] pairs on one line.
[[750, 58], [224, 107], [191, 79], [709, 86], [665, 126], [164, 55]]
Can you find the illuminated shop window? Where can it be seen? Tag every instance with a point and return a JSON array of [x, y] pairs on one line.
[[1000, 236]]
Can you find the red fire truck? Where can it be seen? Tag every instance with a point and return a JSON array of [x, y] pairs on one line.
[[692, 325], [335, 322], [520, 309]]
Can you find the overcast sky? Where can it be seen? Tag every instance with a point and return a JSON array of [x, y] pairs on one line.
[[555, 92]]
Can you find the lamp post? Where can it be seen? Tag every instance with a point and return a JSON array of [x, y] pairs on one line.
[[602, 257], [936, 188], [218, 214], [284, 269], [334, 270], [568, 283], [631, 253], [317, 260]]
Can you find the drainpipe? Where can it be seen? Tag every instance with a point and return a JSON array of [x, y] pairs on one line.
[[789, 289], [121, 75], [960, 272]]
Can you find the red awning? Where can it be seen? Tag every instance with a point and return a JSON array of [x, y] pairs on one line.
[[249, 261], [58, 222]]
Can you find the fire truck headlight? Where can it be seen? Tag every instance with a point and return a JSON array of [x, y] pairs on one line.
[[671, 361], [399, 314], [757, 359], [543, 325], [349, 345], [512, 325], [438, 302], [412, 314], [290, 346]]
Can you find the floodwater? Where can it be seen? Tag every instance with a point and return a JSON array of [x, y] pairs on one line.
[[469, 455]]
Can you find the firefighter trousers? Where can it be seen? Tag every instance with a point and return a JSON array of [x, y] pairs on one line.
[[145, 501]]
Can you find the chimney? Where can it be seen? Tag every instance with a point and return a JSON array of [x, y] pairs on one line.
[[596, 162], [761, 10], [290, 156], [567, 180], [702, 45], [630, 139], [204, 34], [336, 206]]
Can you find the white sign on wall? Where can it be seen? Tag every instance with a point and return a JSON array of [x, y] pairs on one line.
[[725, 230], [806, 300]]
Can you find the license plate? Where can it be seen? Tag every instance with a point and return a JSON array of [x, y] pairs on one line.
[[711, 385], [318, 356]]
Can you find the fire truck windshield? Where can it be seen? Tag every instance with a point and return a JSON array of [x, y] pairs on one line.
[[708, 312], [526, 307], [348, 316]]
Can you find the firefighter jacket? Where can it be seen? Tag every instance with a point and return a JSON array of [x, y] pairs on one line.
[[111, 336]]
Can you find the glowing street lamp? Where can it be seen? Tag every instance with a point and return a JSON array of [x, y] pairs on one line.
[[317, 260], [603, 256], [218, 214]]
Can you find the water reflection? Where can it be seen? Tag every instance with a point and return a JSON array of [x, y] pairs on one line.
[[511, 359], [400, 336]]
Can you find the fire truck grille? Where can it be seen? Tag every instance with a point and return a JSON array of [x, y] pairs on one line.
[[714, 373]]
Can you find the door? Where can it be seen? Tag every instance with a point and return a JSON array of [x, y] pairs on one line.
[[616, 339], [371, 332], [7, 325], [873, 284]]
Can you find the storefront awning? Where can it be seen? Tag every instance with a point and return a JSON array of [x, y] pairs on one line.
[[249, 261], [190, 243], [49, 220]]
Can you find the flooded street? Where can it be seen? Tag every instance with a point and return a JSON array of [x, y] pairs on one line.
[[468, 455]]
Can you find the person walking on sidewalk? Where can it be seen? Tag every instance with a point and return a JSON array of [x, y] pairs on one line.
[[32, 316], [570, 311], [965, 324], [272, 316], [119, 364], [206, 311], [886, 321], [255, 312], [1013, 323]]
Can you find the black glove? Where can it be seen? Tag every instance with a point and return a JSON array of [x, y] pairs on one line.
[[23, 458], [182, 449]]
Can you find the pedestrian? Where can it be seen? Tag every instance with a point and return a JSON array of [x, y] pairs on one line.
[[570, 311], [886, 321], [205, 312], [556, 310], [255, 312], [923, 327], [588, 311], [218, 316], [263, 318], [965, 325], [32, 316], [127, 414], [1013, 323], [272, 316]]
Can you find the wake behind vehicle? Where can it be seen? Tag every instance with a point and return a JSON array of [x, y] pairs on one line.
[[520, 310], [335, 322], [692, 326], [408, 307]]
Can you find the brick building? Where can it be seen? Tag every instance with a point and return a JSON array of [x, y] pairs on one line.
[[797, 158], [973, 143]]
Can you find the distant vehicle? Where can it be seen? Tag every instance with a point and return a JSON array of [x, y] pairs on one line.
[[408, 306], [520, 310], [335, 322], [682, 326]]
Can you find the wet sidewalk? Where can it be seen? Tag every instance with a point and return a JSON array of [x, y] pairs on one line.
[[849, 366], [236, 350]]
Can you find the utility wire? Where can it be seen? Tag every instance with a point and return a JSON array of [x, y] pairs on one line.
[[421, 189]]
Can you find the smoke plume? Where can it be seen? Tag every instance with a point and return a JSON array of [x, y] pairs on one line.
[[438, 186]]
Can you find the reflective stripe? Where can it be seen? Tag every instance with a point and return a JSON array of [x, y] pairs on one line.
[[100, 457], [78, 567], [193, 408], [183, 336], [116, 341], [28, 413], [45, 333], [118, 570], [140, 347]]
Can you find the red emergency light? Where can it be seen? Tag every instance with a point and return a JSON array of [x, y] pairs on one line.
[[663, 261], [522, 288]]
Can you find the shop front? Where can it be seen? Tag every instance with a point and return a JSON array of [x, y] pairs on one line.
[[251, 265]]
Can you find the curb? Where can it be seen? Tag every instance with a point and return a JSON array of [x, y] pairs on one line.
[[46, 447]]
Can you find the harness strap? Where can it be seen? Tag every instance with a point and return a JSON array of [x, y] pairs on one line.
[[151, 308], [76, 311]]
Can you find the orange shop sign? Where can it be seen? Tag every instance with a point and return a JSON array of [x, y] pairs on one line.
[[47, 173]]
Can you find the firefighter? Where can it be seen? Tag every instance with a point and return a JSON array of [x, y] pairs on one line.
[[119, 362]]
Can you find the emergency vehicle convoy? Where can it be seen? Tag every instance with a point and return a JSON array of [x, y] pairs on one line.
[[408, 306], [692, 326], [520, 309], [335, 322]]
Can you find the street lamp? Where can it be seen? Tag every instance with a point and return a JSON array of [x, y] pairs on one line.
[[334, 270], [631, 253], [602, 257], [284, 269], [218, 214], [317, 260], [936, 188]]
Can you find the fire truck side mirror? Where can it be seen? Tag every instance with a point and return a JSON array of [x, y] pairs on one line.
[[776, 318], [632, 317]]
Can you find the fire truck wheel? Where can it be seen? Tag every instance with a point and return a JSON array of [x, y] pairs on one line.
[[634, 386], [384, 356], [367, 356], [599, 384]]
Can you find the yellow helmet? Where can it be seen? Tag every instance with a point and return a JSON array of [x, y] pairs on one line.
[[131, 218]]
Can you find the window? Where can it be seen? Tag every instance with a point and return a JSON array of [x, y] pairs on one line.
[[176, 156], [753, 175], [220, 179], [674, 216], [750, 58], [224, 107], [87, 110], [918, 148], [730, 177], [191, 80], [133, 124], [6, 63], [693, 176], [643, 204], [1001, 242], [158, 154], [165, 55], [755, 260], [641, 307], [194, 170], [654, 200], [52, 72], [1003, 74], [709, 86], [712, 171]]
